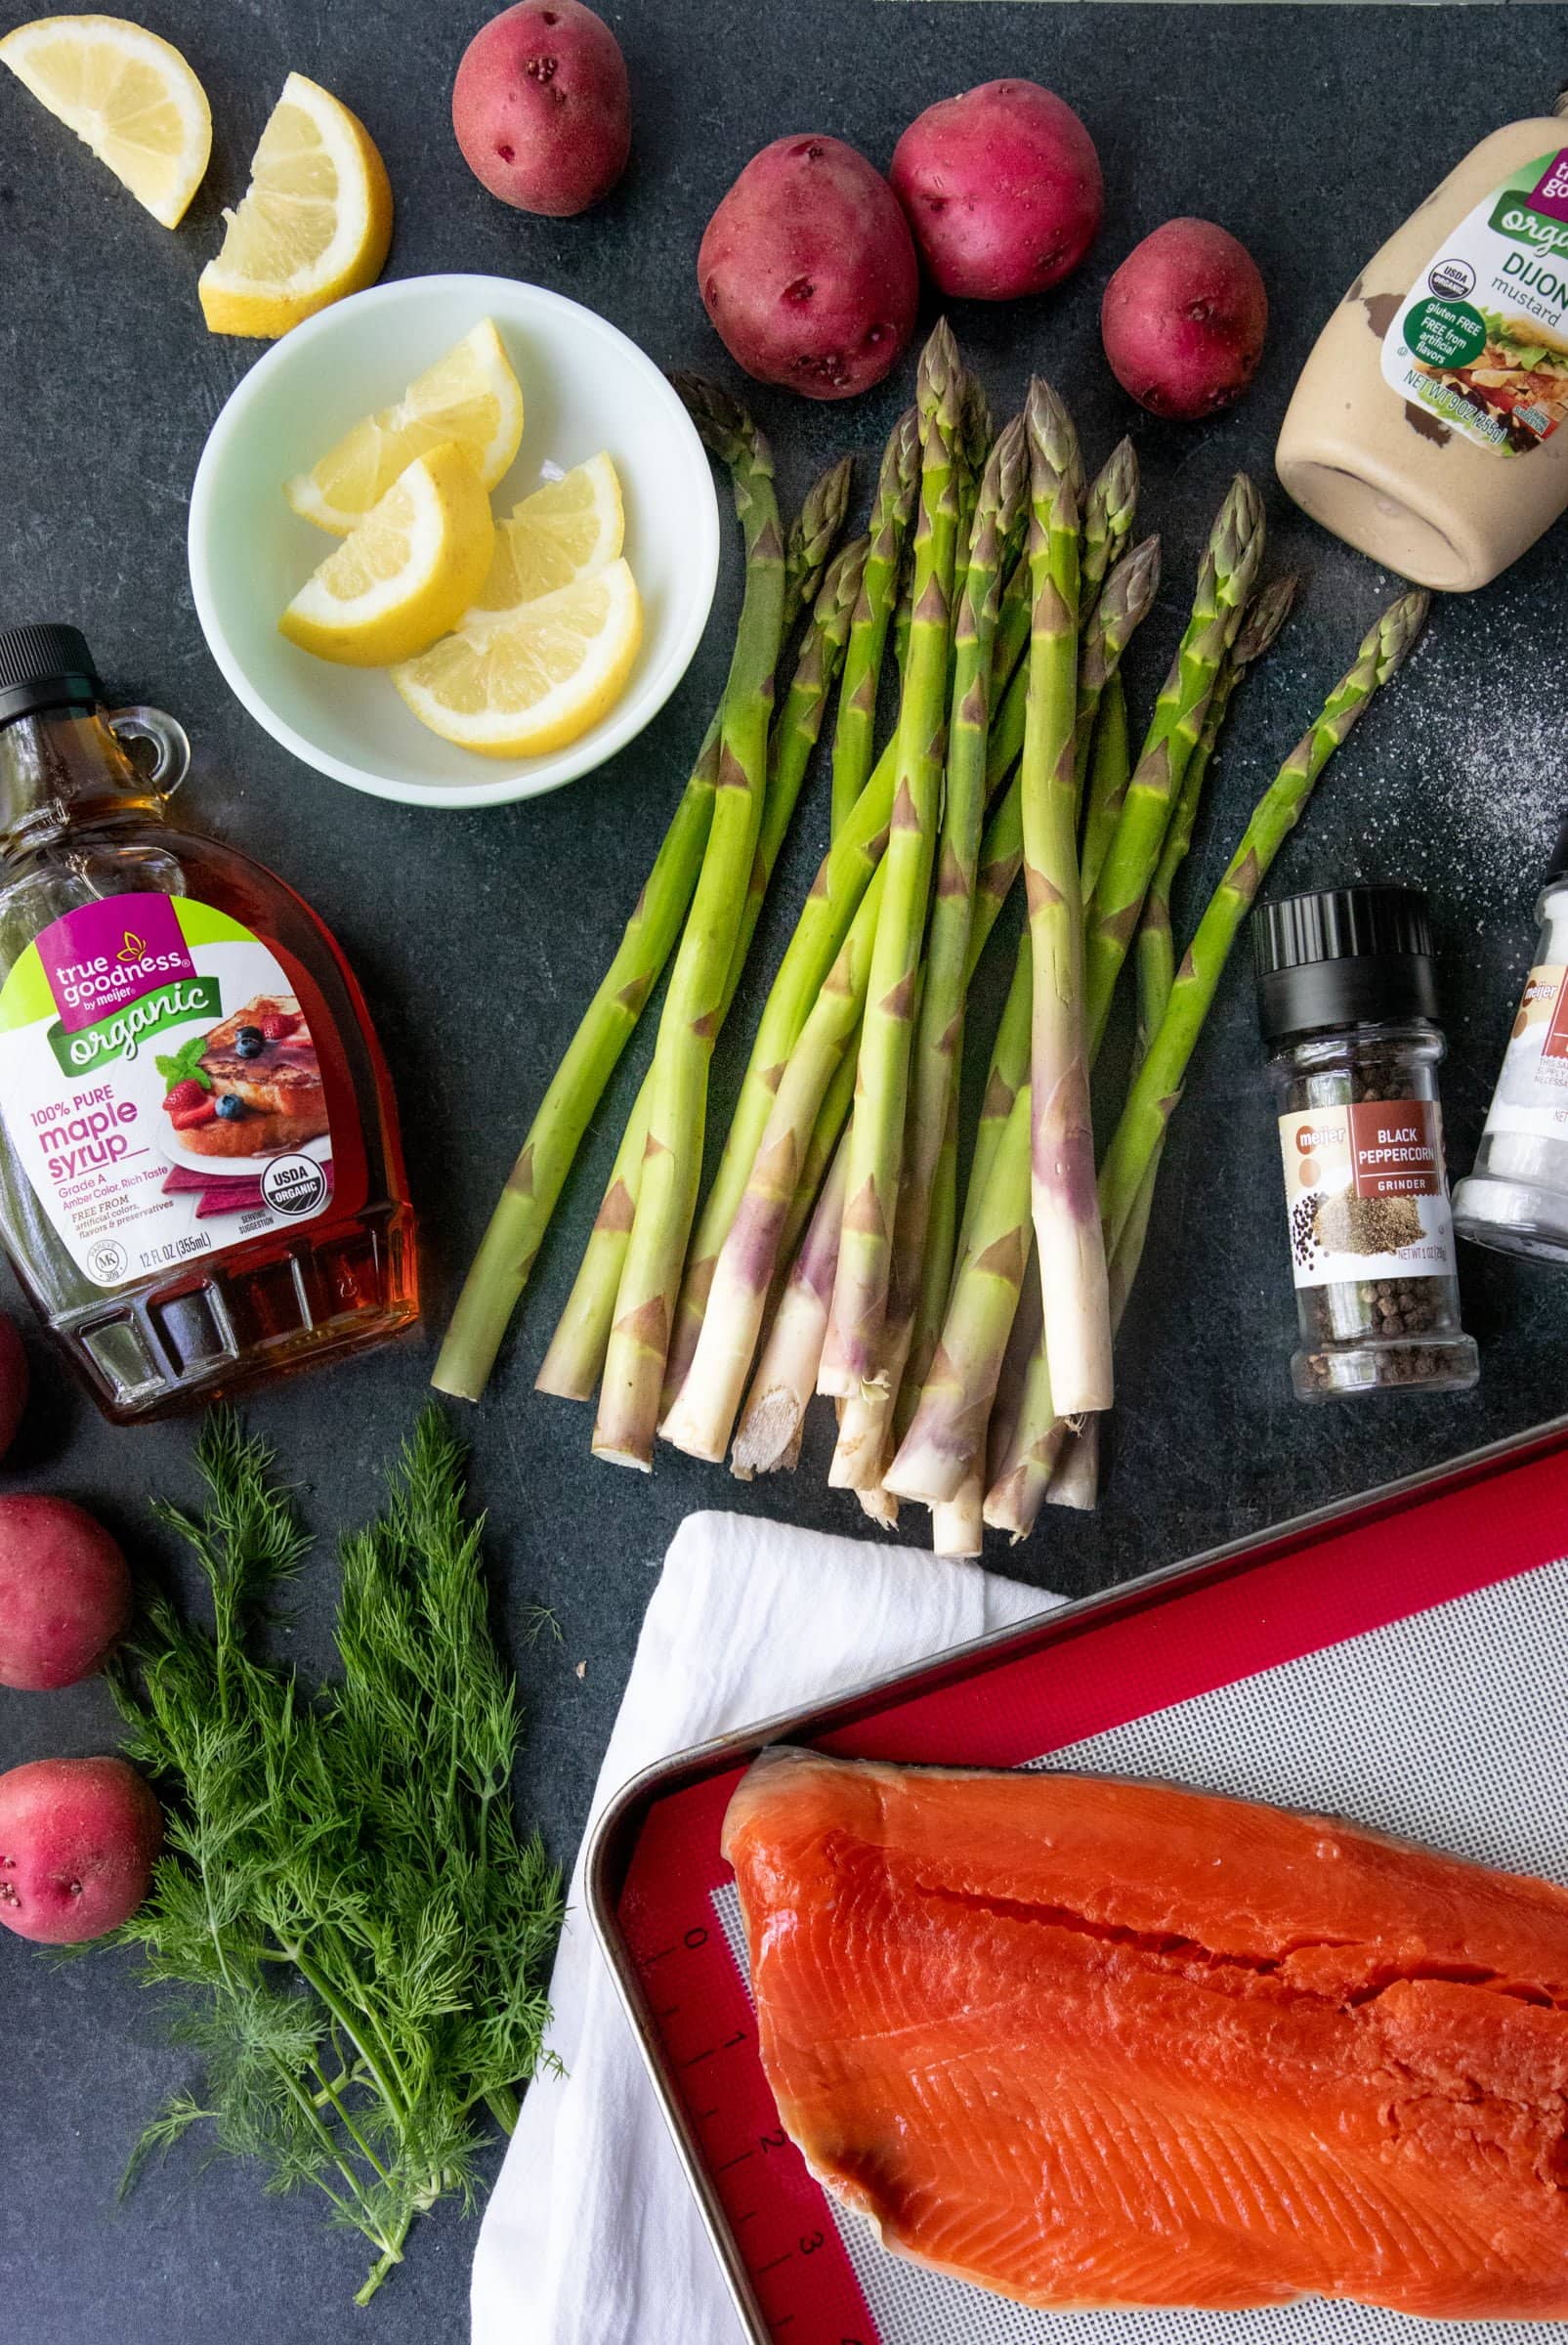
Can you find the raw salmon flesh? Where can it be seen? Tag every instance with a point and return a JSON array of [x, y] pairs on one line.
[[1105, 2044]]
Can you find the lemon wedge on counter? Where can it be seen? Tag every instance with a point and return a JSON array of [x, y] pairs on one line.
[[470, 396], [127, 94], [524, 681], [565, 529], [405, 574], [313, 224]]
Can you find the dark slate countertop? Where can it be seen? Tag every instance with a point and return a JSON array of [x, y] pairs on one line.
[[1310, 131]]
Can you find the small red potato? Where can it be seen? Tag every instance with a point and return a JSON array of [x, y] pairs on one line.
[[64, 1592], [542, 107], [1183, 319], [808, 270], [1002, 188], [12, 1382], [78, 1838]]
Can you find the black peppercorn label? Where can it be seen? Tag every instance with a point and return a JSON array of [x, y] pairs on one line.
[[1366, 1194], [1532, 1094]]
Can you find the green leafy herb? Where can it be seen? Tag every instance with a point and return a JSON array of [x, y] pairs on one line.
[[184, 1064], [345, 1887]]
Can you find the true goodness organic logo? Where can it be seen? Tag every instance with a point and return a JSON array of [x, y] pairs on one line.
[[105, 956], [119, 970], [1538, 219]]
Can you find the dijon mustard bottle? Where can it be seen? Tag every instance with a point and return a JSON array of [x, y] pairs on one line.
[[1425, 429]]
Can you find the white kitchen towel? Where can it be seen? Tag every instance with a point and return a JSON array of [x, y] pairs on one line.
[[591, 2235]]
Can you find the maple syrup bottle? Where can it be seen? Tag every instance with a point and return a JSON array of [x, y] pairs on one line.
[[201, 1185]]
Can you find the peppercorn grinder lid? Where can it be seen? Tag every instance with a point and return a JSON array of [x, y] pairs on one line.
[[1343, 957], [45, 666]]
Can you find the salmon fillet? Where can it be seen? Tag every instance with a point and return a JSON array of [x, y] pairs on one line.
[[1103, 2044]]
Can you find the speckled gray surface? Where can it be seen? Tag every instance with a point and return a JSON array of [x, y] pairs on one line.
[[1312, 133]]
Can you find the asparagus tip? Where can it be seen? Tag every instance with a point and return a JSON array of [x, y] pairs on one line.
[[1264, 619], [1052, 440], [1397, 632]]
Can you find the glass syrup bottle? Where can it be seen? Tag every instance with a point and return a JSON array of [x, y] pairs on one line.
[[201, 1183]]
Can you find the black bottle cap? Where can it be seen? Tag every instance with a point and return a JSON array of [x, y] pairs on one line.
[[1343, 957], [45, 668]]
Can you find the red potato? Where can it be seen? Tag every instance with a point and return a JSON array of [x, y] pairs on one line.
[[78, 1838], [808, 270], [1002, 188], [542, 107], [12, 1382], [1183, 319], [64, 1592]]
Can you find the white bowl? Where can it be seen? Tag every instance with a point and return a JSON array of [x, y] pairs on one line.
[[586, 387]]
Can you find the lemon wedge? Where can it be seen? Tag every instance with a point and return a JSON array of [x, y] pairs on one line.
[[565, 529], [471, 395], [127, 94], [405, 574], [534, 678], [313, 224]]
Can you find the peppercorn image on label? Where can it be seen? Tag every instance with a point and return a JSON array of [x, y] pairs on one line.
[[160, 1085], [1366, 1193]]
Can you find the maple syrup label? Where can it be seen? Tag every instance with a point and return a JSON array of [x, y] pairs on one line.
[[1532, 1094], [1366, 1193], [159, 1085]]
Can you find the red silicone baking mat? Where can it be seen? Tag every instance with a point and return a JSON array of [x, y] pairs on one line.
[[1400, 1661]]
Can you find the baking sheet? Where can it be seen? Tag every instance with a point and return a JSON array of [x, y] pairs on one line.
[[1446, 1727], [1400, 1661]]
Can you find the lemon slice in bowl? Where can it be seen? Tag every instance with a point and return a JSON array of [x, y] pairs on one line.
[[565, 529], [471, 395], [127, 94], [313, 224], [532, 679], [405, 574]]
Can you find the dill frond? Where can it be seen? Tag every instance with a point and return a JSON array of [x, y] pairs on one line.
[[356, 1931]]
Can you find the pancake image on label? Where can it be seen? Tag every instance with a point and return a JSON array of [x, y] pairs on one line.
[[1104, 2044], [263, 1063]]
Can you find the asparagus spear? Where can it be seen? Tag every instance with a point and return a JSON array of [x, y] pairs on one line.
[[769, 1436], [1051, 1463], [511, 1243], [1224, 587], [948, 1435], [634, 1361], [862, 1452], [815, 531], [936, 1276], [958, 1526], [1108, 512], [876, 1132], [1006, 1077], [575, 1360], [1158, 1082], [1066, 1234], [701, 1418], [1156, 955], [934, 1464], [1023, 1468], [1106, 778], [1123, 606], [1076, 1476], [1001, 1431], [854, 733], [507, 1252]]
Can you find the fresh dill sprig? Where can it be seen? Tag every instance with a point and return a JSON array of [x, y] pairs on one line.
[[361, 1929]]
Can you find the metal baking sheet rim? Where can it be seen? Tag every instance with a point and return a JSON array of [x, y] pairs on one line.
[[616, 1830]]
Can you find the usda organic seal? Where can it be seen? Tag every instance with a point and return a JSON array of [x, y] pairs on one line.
[[294, 1185]]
